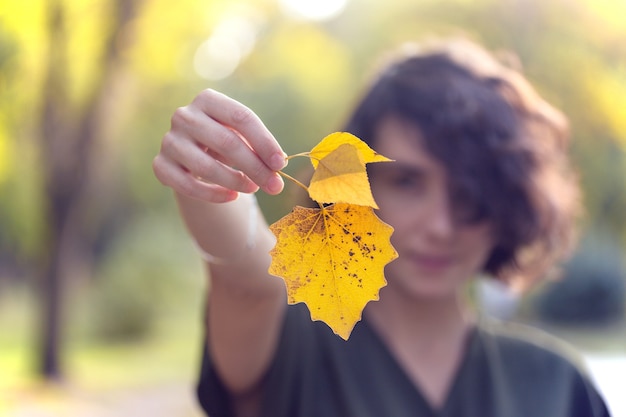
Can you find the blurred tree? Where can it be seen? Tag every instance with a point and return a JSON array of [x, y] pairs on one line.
[[68, 141]]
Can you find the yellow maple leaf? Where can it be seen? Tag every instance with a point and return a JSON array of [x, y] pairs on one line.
[[341, 176], [334, 140], [332, 259]]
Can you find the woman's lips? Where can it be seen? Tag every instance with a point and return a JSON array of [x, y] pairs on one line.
[[434, 263]]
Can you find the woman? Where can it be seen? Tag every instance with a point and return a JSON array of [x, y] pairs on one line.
[[480, 185]]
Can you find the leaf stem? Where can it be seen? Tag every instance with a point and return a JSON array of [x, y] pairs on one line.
[[294, 180], [307, 154]]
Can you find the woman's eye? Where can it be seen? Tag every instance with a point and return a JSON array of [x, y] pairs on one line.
[[408, 182], [403, 181]]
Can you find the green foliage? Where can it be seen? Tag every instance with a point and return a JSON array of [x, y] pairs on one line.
[[592, 290], [19, 188], [603, 174], [150, 273], [125, 307]]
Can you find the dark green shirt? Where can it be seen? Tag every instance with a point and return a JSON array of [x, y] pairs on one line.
[[507, 371]]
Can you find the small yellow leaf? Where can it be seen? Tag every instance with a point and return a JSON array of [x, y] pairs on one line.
[[341, 177], [333, 260], [334, 140]]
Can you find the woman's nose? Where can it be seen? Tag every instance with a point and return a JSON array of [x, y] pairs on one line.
[[440, 222]]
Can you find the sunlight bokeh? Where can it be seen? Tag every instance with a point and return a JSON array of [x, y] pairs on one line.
[[232, 40], [314, 9]]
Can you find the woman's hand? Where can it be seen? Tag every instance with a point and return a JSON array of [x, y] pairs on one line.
[[216, 148]]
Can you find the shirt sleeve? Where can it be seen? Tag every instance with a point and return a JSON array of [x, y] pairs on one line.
[[212, 395]]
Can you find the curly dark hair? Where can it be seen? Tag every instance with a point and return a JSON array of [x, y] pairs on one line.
[[504, 147]]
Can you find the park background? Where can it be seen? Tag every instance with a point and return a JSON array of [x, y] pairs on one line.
[[101, 291]]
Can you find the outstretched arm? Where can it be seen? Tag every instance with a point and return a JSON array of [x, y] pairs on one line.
[[216, 153]]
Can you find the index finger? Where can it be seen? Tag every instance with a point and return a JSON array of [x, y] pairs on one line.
[[235, 115]]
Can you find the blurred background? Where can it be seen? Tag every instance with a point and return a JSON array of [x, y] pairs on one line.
[[100, 290]]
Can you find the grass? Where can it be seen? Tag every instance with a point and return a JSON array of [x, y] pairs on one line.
[[161, 366]]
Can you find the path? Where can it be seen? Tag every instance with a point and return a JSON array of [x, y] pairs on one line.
[[160, 401]]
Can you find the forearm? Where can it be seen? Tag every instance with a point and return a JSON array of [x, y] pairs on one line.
[[234, 240], [243, 325], [224, 232]]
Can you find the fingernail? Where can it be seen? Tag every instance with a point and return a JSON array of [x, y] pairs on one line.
[[274, 185], [278, 161]]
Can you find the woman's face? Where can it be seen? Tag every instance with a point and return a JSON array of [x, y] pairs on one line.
[[437, 254]]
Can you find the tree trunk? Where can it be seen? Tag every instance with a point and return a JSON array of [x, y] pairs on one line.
[[68, 139]]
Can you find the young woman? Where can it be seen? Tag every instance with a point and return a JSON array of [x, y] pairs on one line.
[[480, 185]]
